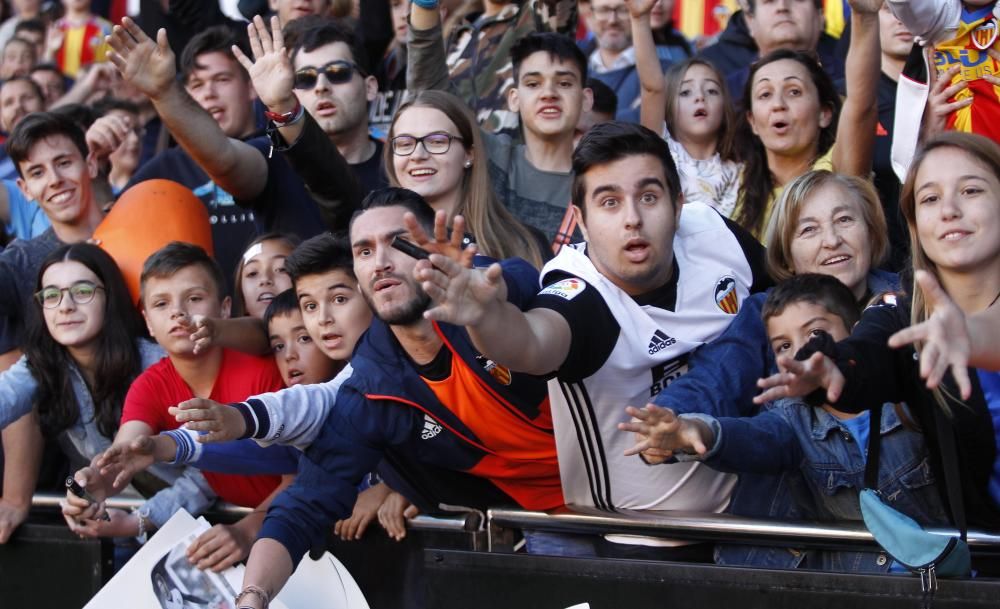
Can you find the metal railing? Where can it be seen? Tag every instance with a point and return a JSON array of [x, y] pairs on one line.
[[696, 526], [702, 526], [459, 523]]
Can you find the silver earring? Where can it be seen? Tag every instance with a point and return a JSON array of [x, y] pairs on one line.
[[468, 164]]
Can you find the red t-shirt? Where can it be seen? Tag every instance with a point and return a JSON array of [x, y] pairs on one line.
[[240, 376]]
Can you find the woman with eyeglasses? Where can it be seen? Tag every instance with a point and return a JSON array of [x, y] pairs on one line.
[[435, 149], [82, 350]]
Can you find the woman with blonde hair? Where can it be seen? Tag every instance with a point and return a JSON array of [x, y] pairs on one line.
[[951, 203], [436, 150], [832, 224]]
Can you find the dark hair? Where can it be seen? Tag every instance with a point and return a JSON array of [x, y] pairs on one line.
[[752, 6], [175, 256], [727, 129], [103, 106], [613, 141], [117, 363], [823, 290], [34, 85], [758, 181], [282, 304], [47, 67], [605, 99], [239, 305], [320, 254], [36, 127], [81, 114], [27, 43], [557, 46], [216, 39], [30, 25], [314, 31], [392, 197]]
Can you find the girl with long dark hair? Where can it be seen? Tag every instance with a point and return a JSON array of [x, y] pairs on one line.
[[83, 349]]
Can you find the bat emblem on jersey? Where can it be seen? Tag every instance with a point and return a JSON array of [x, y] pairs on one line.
[[985, 35], [726, 297]]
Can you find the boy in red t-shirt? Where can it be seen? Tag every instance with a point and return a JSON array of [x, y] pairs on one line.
[[177, 282]]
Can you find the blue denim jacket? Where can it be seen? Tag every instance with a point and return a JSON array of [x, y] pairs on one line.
[[793, 437]]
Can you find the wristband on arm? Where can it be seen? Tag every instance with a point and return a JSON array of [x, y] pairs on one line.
[[426, 4]]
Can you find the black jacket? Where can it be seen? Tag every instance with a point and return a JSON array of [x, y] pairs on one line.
[[876, 374]]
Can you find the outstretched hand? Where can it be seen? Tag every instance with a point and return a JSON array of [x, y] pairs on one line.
[[461, 296], [440, 242], [124, 461], [147, 64], [798, 379], [271, 69], [204, 332], [222, 422], [659, 433], [943, 339]]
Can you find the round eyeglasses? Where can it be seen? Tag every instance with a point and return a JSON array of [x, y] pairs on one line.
[[80, 293], [438, 142]]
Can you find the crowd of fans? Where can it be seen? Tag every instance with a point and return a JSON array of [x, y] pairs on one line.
[[482, 253]]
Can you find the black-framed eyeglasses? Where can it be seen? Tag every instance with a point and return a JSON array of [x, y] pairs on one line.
[[80, 293], [337, 73], [438, 142]]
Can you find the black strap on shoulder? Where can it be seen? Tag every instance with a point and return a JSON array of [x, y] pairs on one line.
[[874, 447], [952, 477]]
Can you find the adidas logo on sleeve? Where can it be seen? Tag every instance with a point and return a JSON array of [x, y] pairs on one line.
[[660, 341], [431, 428]]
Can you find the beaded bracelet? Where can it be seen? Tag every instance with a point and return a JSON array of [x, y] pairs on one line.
[[261, 594]]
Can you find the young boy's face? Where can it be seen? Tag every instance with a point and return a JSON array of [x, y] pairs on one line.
[[791, 329], [298, 356], [169, 303], [333, 310], [549, 96]]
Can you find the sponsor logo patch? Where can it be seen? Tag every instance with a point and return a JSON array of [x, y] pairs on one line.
[[726, 297], [660, 341], [431, 428], [567, 289]]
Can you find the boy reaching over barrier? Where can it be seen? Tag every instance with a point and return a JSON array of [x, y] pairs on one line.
[[824, 443]]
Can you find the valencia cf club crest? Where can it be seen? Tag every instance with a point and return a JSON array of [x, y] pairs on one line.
[[499, 373], [726, 297], [984, 35]]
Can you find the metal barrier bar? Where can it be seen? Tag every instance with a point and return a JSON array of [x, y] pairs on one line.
[[705, 527], [460, 523]]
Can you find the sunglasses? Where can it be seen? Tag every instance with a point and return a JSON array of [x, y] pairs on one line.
[[80, 293], [337, 73]]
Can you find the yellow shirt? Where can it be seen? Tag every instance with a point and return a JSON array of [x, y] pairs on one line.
[[823, 162]]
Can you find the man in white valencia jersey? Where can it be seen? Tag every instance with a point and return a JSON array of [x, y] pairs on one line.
[[614, 323]]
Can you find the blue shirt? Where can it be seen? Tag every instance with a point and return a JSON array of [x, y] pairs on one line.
[[858, 428], [26, 218], [990, 382]]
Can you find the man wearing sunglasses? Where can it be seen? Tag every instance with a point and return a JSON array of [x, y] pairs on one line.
[[261, 176]]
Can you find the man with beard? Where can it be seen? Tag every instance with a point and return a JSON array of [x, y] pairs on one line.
[[420, 397]]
